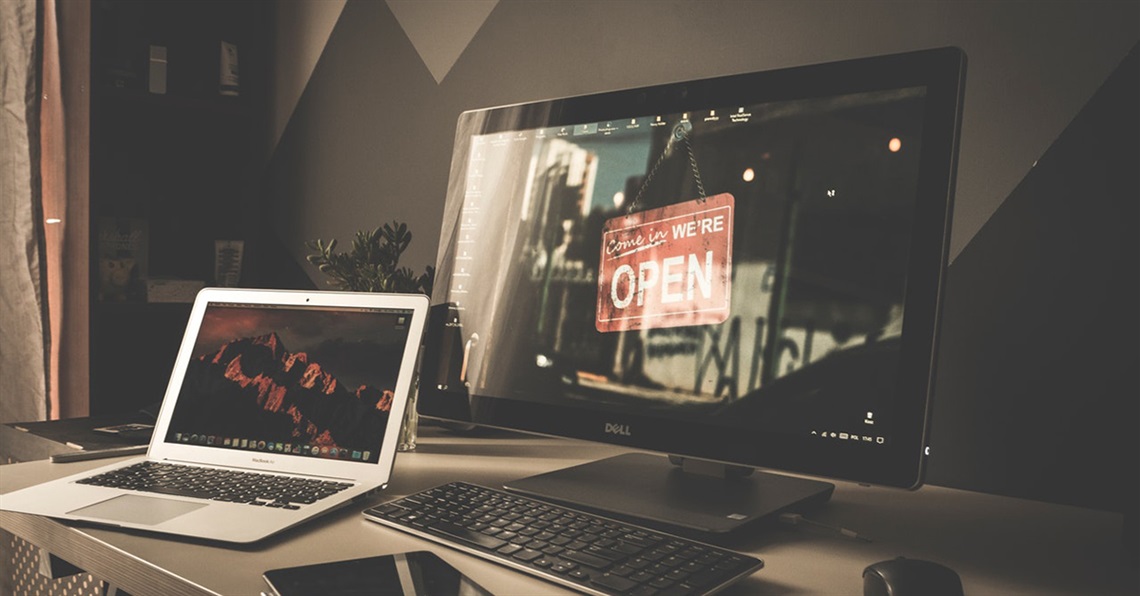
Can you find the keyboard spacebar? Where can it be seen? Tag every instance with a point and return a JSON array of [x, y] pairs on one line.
[[180, 492], [462, 534]]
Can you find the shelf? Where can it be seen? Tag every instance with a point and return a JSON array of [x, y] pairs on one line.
[[142, 307], [222, 104]]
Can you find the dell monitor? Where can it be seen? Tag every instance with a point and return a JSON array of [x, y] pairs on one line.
[[738, 272]]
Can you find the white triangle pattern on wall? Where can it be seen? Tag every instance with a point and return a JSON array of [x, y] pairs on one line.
[[441, 30]]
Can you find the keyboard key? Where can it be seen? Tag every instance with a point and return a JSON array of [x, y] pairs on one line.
[[614, 582], [527, 554], [463, 534], [625, 548], [585, 559], [605, 553], [641, 576], [563, 566], [639, 563]]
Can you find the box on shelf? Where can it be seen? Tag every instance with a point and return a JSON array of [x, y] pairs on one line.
[[172, 290]]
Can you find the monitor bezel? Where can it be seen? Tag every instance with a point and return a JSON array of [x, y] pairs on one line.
[[900, 463]]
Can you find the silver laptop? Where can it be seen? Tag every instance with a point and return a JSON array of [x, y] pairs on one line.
[[282, 405]]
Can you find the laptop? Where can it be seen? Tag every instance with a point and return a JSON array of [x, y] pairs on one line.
[[282, 406]]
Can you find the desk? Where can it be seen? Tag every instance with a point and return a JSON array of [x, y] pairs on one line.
[[998, 545]]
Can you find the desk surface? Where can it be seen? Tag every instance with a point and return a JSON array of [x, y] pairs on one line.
[[998, 545]]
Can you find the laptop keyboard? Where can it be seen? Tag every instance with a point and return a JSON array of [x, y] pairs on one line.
[[569, 547], [254, 488]]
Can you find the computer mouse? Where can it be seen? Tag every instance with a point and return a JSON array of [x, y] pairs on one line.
[[905, 577]]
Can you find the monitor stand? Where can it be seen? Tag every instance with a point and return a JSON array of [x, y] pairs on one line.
[[696, 496]]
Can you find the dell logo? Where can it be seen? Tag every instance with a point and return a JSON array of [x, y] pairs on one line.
[[617, 429]]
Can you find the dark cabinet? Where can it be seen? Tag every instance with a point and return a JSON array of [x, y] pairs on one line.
[[175, 165]]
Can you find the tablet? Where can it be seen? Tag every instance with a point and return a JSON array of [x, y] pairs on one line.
[[418, 572]]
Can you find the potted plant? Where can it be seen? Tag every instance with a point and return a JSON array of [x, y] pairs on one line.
[[373, 265]]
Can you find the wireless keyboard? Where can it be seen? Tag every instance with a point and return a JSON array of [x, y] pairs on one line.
[[580, 550]]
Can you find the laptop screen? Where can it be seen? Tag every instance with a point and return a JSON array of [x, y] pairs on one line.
[[311, 381]]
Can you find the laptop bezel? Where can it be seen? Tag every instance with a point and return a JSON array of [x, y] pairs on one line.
[[374, 473]]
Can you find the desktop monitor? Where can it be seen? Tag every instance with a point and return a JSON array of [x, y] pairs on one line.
[[744, 270]]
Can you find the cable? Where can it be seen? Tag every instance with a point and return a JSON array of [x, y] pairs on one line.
[[795, 519]]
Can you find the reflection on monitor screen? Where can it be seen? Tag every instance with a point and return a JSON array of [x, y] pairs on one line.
[[744, 269]]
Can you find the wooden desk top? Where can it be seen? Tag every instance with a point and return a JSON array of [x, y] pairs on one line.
[[998, 545]]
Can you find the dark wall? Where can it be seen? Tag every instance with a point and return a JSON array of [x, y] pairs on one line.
[[370, 139], [1038, 391]]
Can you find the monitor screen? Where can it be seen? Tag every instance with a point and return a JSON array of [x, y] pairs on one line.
[[745, 269]]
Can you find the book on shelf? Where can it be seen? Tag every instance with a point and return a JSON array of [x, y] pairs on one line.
[[121, 250]]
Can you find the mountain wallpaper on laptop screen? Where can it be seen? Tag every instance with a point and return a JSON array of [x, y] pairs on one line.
[[255, 388]]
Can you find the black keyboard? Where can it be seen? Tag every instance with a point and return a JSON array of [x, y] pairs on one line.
[[583, 551], [254, 488]]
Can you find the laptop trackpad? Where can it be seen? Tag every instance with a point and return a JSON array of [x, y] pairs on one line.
[[137, 510]]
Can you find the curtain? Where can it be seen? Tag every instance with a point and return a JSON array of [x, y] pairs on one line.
[[23, 382], [65, 116], [53, 183]]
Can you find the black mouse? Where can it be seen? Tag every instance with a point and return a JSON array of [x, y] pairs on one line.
[[904, 577]]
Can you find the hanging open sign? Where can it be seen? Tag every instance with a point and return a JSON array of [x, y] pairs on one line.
[[667, 267]]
